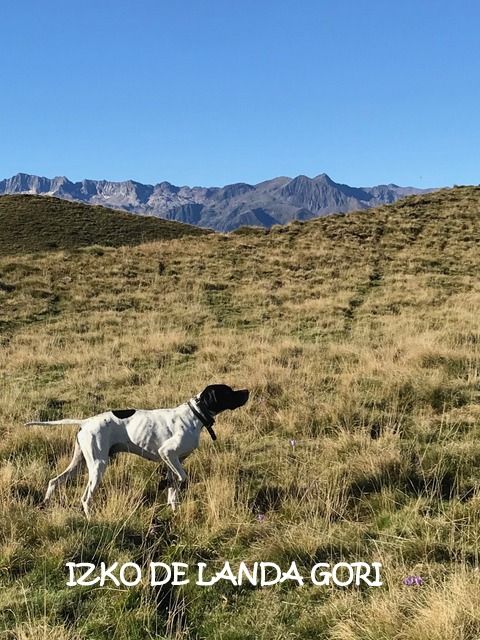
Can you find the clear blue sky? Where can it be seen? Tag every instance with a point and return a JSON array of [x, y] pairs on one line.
[[218, 91]]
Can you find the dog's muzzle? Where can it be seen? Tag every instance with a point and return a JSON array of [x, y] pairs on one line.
[[241, 397]]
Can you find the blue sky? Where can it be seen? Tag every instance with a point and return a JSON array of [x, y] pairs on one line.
[[212, 92]]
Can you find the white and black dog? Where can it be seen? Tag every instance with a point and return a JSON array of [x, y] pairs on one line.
[[167, 435]]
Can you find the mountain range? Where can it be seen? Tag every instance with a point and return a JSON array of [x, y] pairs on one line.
[[275, 201]]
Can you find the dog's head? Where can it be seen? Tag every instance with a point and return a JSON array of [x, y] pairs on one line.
[[220, 397]]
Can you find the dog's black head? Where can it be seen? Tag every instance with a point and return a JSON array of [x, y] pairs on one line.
[[220, 397]]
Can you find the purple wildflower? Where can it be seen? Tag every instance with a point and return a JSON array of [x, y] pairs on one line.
[[413, 581], [260, 517]]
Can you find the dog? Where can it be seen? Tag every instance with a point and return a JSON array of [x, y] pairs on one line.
[[160, 435]]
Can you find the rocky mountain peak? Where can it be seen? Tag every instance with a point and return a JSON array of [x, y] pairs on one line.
[[278, 200]]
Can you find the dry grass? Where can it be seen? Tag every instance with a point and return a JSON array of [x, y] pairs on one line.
[[359, 337]]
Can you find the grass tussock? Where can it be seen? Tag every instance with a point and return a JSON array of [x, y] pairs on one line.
[[359, 338]]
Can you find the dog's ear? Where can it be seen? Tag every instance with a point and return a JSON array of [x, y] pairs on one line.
[[208, 396]]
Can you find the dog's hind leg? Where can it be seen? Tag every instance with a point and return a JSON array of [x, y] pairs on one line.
[[70, 472], [96, 468]]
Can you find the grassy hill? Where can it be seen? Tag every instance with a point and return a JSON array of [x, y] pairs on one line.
[[41, 223], [359, 338]]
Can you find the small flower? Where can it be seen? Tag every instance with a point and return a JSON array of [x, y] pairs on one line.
[[413, 581], [260, 517], [293, 443]]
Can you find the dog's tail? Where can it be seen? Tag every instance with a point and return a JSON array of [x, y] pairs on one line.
[[54, 422]]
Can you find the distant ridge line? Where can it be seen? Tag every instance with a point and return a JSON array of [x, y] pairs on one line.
[[276, 201]]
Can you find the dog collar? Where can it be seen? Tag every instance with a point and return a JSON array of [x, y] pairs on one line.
[[207, 422]]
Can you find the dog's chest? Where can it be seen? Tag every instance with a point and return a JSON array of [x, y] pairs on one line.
[[188, 440]]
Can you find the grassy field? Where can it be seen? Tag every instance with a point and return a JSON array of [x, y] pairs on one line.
[[41, 223], [359, 337]]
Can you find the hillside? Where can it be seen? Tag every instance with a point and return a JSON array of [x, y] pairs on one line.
[[359, 338], [275, 201], [39, 223]]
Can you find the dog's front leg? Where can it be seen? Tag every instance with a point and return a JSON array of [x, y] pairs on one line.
[[173, 489], [168, 453], [176, 473]]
